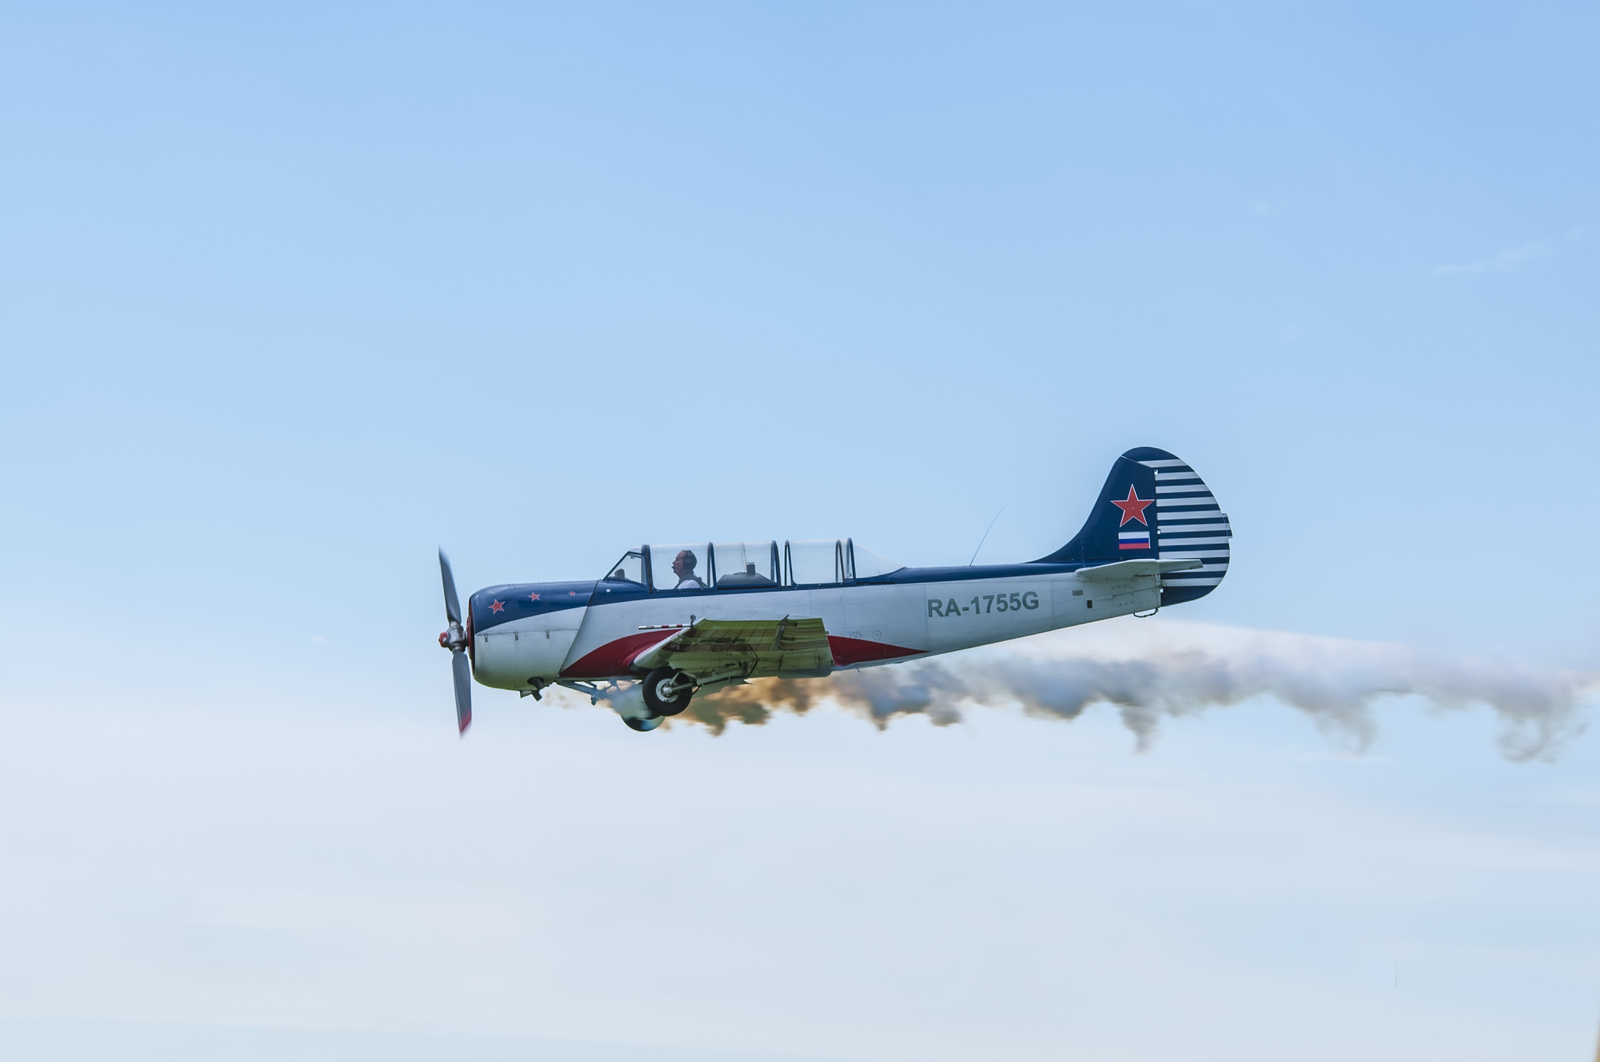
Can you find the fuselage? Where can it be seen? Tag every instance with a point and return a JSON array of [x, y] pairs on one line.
[[528, 635]]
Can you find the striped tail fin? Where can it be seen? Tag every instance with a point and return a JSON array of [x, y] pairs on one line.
[[1154, 506], [1189, 523]]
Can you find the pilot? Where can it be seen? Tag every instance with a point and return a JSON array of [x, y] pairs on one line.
[[683, 567]]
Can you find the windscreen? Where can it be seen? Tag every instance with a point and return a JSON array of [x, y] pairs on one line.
[[630, 569]]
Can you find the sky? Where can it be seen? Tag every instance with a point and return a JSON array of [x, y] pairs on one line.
[[292, 297]]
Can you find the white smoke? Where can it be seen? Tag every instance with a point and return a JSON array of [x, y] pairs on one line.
[[1153, 669]]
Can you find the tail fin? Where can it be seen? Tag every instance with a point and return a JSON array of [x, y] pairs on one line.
[[1155, 506]]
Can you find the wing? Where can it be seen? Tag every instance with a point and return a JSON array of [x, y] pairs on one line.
[[743, 648]]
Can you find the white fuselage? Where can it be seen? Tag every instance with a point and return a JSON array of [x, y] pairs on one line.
[[870, 622]]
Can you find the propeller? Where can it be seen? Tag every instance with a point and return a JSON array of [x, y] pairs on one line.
[[455, 639]]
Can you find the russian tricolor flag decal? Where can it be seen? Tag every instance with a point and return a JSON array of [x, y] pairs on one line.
[[1133, 540]]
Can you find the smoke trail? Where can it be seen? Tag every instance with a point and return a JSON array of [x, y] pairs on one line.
[[1161, 669]]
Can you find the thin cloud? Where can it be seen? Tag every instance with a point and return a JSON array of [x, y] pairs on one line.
[[1514, 259]]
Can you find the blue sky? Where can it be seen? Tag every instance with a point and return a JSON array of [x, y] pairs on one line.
[[289, 298]]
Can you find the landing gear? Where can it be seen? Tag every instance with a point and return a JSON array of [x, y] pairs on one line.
[[667, 692], [643, 705]]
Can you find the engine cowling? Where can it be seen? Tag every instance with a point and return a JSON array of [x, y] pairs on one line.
[[523, 633]]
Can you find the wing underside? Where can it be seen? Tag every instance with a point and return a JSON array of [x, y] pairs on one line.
[[745, 648]]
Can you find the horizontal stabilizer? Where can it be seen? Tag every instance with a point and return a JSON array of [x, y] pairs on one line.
[[1106, 573]]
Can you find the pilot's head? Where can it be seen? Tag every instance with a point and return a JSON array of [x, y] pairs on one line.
[[683, 564]]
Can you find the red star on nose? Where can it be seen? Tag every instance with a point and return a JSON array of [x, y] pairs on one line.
[[1133, 508], [533, 597], [498, 606], [572, 593]]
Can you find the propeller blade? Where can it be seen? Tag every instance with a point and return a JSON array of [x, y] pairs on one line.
[[463, 676], [452, 604]]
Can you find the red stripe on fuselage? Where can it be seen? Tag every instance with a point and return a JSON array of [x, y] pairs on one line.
[[613, 659], [847, 651]]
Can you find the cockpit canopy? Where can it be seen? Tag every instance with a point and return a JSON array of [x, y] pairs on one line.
[[731, 565]]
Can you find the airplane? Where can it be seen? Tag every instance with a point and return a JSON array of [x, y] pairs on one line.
[[666, 622]]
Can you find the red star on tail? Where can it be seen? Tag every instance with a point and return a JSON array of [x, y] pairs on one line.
[[498, 606], [1133, 508]]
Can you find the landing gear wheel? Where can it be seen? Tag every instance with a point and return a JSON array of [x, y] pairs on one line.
[[642, 725], [667, 691]]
